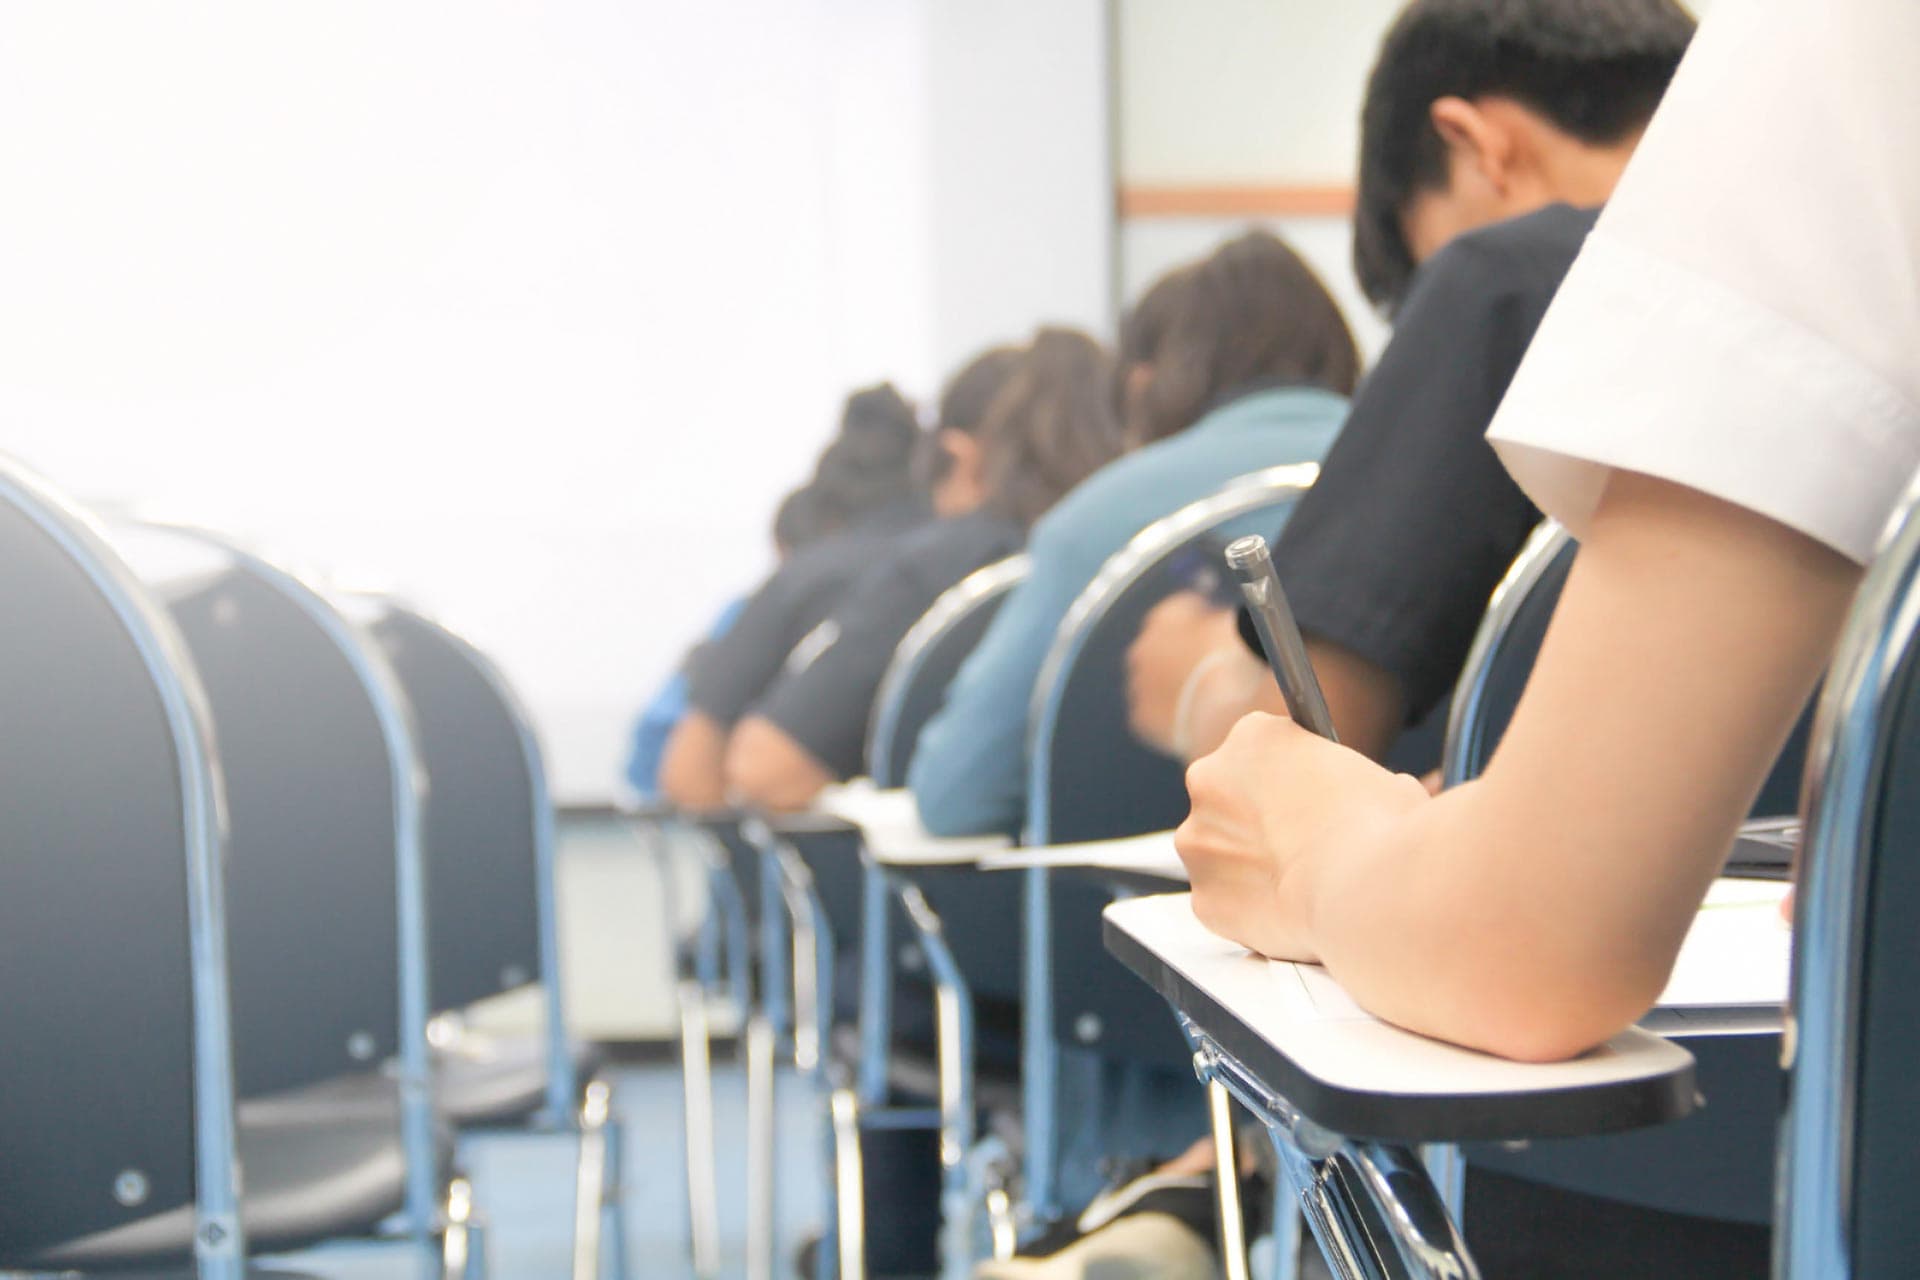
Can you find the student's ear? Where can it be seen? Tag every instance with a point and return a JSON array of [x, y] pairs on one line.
[[1478, 148]]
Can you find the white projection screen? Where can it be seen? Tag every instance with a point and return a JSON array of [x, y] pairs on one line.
[[527, 312]]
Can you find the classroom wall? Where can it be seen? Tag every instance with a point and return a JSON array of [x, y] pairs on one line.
[[1255, 98], [529, 312]]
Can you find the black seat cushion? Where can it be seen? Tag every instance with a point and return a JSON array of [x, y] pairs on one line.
[[306, 1181]]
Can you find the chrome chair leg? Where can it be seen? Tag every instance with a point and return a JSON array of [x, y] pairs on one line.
[[760, 1171], [953, 1040], [591, 1180], [1448, 1169], [1226, 1174], [1287, 1238], [849, 1181], [696, 1073], [463, 1247], [613, 1216]]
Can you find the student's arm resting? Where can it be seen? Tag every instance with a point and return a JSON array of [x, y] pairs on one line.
[[766, 768], [1538, 910], [691, 768]]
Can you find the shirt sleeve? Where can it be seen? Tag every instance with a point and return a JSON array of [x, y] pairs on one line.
[[1393, 552], [825, 706], [969, 770], [1745, 319]]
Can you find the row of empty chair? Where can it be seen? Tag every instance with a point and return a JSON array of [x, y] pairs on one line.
[[275, 860]]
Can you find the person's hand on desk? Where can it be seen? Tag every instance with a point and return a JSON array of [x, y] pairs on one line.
[[1188, 676], [1270, 801]]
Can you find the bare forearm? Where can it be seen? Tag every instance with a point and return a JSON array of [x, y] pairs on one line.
[[691, 768]]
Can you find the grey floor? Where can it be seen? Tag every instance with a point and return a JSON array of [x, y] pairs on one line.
[[525, 1189], [618, 988]]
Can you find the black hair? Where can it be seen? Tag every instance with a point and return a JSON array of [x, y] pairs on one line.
[[798, 520], [870, 464], [1594, 68], [1253, 310]]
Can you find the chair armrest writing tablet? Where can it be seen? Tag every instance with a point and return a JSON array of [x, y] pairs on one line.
[[1147, 860], [889, 823], [809, 823], [1289, 1027]]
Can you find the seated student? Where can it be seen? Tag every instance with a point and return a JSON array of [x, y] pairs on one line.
[[1234, 363], [866, 494], [1491, 132], [795, 524], [1723, 404], [1050, 426]]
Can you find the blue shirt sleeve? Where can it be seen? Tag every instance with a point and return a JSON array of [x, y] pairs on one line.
[[969, 771]]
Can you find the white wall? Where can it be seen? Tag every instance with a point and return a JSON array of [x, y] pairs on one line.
[[1245, 93], [528, 311]]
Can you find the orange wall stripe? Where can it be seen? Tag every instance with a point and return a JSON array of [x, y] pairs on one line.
[[1235, 202]]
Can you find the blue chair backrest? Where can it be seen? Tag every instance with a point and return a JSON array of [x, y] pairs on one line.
[[926, 662], [109, 883], [487, 813], [1092, 780], [1502, 659], [1852, 1155], [311, 887]]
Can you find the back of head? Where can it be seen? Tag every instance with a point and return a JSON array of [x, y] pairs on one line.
[[870, 464], [1051, 426], [1595, 69], [963, 407], [798, 520], [1252, 311]]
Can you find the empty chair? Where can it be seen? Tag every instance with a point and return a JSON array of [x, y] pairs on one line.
[[117, 1128], [326, 894], [493, 929]]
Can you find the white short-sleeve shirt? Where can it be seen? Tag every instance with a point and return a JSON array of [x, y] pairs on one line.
[[1745, 317]]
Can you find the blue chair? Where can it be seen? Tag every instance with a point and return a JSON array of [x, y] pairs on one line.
[[118, 1131], [835, 901], [1715, 1163], [1092, 780], [326, 880], [1850, 1161], [493, 930]]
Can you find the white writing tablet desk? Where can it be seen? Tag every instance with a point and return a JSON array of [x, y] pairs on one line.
[[891, 829], [1345, 1095]]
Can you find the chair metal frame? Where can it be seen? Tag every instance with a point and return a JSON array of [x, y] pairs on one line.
[[1846, 781], [599, 1224], [425, 1211], [1145, 552], [220, 1246]]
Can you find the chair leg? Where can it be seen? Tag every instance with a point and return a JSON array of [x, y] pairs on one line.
[[696, 1074], [1226, 1174], [612, 1194], [591, 1180], [850, 1186], [760, 1124], [463, 1245], [1288, 1233]]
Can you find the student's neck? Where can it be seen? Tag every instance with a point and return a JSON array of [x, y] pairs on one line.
[[1585, 176]]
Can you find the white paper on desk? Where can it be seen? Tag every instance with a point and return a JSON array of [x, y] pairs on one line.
[[1736, 956], [1738, 953]]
